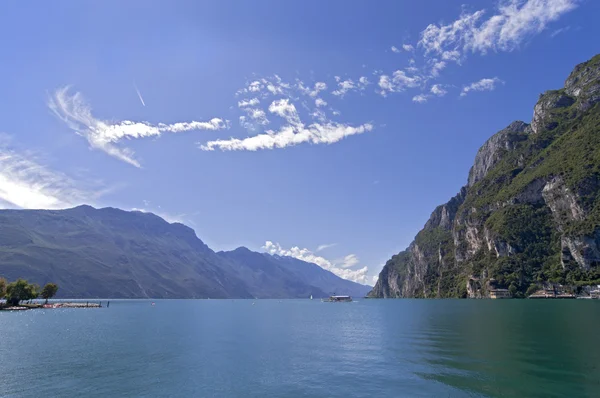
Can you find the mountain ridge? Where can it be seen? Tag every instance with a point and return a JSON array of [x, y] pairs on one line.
[[114, 253]]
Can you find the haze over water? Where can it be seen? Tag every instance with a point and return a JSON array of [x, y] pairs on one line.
[[302, 348]]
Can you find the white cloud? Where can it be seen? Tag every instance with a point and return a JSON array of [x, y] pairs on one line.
[[439, 90], [408, 47], [326, 246], [343, 87], [104, 135], [248, 102], [341, 268], [375, 278], [421, 98], [317, 133], [255, 86], [513, 22], [395, 49], [559, 31], [452, 55], [284, 109], [481, 85], [317, 88], [398, 82], [348, 261], [320, 102], [437, 67], [26, 183]]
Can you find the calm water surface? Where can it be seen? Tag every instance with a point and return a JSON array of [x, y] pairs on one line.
[[302, 348]]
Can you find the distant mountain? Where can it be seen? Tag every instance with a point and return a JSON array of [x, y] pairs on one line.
[[265, 277], [113, 253], [277, 276], [316, 276], [530, 213]]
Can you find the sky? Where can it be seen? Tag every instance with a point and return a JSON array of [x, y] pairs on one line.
[[327, 131]]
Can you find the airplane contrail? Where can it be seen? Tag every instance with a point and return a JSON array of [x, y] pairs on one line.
[[139, 95]]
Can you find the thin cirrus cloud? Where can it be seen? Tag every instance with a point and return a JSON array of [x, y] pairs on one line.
[[341, 267], [103, 135], [27, 183], [481, 85], [325, 246]]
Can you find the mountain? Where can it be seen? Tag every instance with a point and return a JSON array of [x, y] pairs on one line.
[[113, 253], [529, 214], [264, 276], [313, 275]]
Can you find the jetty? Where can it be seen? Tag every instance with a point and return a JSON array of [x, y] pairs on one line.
[[551, 294], [32, 306]]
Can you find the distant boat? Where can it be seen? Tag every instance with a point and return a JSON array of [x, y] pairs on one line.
[[153, 303], [338, 299], [311, 296]]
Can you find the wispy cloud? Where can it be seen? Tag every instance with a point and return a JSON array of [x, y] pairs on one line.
[[316, 133], [395, 49], [27, 183], [248, 102], [292, 131], [77, 114], [320, 102], [325, 246], [559, 31], [421, 98], [439, 90], [399, 81], [504, 28], [342, 267], [513, 22], [481, 85], [344, 86], [139, 94]]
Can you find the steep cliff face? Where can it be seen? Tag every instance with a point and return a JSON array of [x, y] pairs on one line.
[[529, 214]]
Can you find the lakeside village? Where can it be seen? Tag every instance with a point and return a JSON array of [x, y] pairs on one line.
[[20, 295], [548, 291]]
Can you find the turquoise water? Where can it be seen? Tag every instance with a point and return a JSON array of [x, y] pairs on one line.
[[302, 348]]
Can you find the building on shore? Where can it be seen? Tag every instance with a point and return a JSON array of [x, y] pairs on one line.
[[500, 294]]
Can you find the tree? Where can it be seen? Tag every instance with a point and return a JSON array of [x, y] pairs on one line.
[[49, 291], [2, 288], [34, 291], [20, 290]]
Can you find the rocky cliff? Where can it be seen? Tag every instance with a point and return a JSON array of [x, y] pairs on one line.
[[529, 214]]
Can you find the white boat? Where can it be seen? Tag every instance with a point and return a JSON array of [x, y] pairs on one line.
[[311, 296], [338, 299]]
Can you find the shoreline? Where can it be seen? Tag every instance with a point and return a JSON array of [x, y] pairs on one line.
[[55, 305]]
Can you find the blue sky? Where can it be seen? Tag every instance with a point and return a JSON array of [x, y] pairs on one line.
[[324, 130]]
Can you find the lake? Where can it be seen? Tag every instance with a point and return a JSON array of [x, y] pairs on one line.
[[303, 348]]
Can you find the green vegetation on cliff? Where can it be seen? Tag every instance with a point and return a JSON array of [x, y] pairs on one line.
[[530, 214]]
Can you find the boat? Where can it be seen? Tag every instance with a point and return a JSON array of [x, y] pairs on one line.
[[311, 296], [338, 299]]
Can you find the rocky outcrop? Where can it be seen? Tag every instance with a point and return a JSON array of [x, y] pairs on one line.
[[542, 113], [529, 213], [493, 150], [584, 84]]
